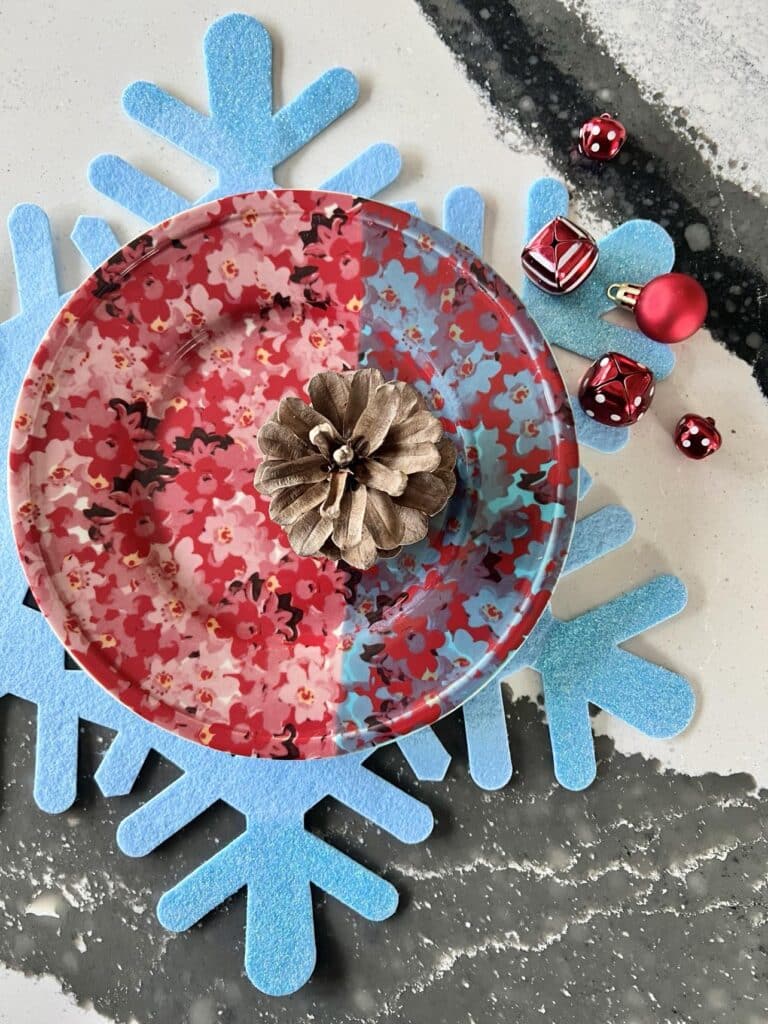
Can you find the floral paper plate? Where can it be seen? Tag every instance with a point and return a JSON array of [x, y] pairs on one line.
[[134, 449]]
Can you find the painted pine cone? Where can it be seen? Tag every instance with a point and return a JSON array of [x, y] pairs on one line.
[[355, 474]]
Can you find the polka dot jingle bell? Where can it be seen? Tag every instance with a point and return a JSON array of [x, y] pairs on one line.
[[696, 436], [616, 390], [601, 138]]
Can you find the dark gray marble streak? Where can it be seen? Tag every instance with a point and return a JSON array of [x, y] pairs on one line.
[[544, 70], [643, 899]]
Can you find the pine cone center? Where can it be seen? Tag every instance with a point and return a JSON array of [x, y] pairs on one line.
[[344, 455]]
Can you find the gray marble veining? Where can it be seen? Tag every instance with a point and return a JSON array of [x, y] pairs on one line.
[[644, 898]]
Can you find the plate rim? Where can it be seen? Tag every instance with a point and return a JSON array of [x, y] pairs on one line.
[[500, 649]]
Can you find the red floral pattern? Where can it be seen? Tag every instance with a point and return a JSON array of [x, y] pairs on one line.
[[134, 450]]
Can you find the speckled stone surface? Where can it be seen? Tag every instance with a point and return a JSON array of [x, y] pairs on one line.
[[644, 898]]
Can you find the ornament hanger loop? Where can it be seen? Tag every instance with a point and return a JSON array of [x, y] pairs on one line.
[[625, 294]]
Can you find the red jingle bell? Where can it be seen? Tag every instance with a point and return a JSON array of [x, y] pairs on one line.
[[616, 390], [601, 138], [560, 257], [696, 436], [670, 308]]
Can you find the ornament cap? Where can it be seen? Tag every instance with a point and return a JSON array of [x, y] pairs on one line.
[[625, 294]]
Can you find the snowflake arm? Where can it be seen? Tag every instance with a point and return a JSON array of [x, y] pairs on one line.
[[276, 865], [464, 216], [242, 138], [95, 240], [37, 287], [485, 728], [124, 758], [598, 534], [428, 758], [369, 173], [409, 207], [58, 735], [164, 815], [580, 662], [591, 434], [134, 190], [275, 857], [650, 698]]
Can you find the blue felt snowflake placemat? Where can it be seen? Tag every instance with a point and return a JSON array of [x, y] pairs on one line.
[[276, 858]]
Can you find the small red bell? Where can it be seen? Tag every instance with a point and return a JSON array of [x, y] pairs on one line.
[[616, 390], [696, 436], [601, 138], [670, 308], [560, 257]]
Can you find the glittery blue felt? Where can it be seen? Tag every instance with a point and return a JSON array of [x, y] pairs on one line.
[[95, 240], [36, 672], [275, 858], [242, 138], [581, 663]]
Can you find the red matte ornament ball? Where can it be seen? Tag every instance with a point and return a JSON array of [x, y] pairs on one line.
[[616, 390], [601, 138], [696, 436], [671, 308]]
